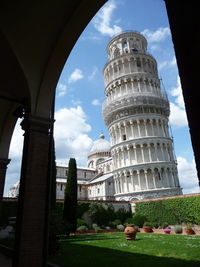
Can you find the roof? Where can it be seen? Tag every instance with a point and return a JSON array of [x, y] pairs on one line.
[[93, 181], [100, 145], [101, 178]]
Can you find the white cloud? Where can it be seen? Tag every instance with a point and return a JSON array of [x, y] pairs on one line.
[[15, 154], [92, 75], [177, 93], [178, 116], [187, 176], [157, 36], [17, 141], [71, 140], [167, 63], [76, 102], [76, 75], [61, 89], [71, 137], [96, 102], [102, 20]]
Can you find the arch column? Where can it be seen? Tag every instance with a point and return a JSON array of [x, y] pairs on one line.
[[132, 181], [152, 128], [132, 132], [146, 180], [154, 180], [33, 202], [3, 168], [149, 150], [138, 176], [142, 151], [138, 125], [125, 130]]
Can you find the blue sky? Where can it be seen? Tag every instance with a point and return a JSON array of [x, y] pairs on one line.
[[80, 89]]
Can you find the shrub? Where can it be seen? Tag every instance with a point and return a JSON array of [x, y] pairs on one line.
[[97, 229], [164, 225], [115, 223], [70, 201], [82, 208], [188, 226], [81, 222], [155, 224], [178, 229], [129, 221], [120, 227], [139, 220], [94, 225], [122, 214], [174, 211], [148, 224], [82, 228], [98, 213]]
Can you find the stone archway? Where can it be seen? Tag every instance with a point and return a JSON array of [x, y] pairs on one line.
[[38, 37]]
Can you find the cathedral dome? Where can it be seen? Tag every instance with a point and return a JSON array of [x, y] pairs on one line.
[[100, 145]]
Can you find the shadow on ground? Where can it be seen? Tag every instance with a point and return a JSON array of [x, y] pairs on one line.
[[76, 255], [87, 237]]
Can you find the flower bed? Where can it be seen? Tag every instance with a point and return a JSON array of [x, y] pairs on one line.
[[167, 231], [93, 231]]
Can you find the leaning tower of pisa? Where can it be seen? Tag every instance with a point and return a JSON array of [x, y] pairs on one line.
[[136, 112]]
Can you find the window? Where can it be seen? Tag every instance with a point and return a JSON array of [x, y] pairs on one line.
[[84, 174], [98, 190], [79, 188], [124, 45], [61, 187], [123, 137], [138, 63], [66, 172], [134, 50]]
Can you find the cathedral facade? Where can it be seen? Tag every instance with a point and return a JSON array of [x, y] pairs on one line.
[[139, 162]]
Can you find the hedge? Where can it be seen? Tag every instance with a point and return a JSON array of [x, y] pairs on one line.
[[173, 211]]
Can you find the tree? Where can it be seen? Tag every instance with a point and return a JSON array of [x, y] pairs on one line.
[[70, 201]]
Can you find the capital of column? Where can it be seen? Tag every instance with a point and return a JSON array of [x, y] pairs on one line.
[[36, 123], [4, 163]]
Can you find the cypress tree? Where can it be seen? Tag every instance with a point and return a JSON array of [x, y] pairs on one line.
[[70, 201]]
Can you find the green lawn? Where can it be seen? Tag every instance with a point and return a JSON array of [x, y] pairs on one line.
[[114, 250]]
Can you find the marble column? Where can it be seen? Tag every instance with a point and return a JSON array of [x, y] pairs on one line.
[[3, 167], [33, 202]]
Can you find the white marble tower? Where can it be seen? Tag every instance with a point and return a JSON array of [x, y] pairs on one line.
[[136, 112]]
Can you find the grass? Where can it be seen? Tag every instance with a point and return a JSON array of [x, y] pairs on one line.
[[114, 250]]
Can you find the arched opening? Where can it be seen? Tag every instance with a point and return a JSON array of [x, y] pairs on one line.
[[74, 75]]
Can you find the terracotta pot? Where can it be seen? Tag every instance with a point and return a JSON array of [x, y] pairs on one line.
[[147, 229], [130, 232], [189, 231]]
